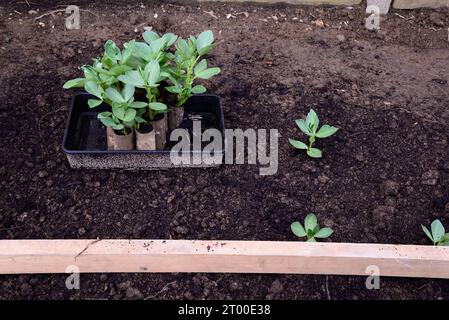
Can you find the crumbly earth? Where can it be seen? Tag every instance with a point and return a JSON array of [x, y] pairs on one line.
[[384, 174]]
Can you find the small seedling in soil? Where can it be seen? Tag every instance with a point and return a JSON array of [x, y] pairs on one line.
[[311, 229], [310, 127], [437, 234], [189, 67]]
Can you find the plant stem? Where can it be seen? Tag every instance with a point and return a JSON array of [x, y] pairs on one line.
[[311, 141]]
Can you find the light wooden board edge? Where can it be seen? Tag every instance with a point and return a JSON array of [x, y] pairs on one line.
[[101, 256], [296, 2], [415, 4]]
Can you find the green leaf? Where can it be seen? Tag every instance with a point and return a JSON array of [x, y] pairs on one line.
[[119, 69], [445, 240], [208, 73], [326, 131], [298, 144], [192, 42], [112, 51], [74, 83], [89, 73], [183, 48], [205, 39], [94, 103], [324, 233], [302, 126], [437, 230], [310, 222], [140, 119], [129, 115], [205, 50], [173, 89], [139, 104], [118, 126], [157, 106], [128, 91], [106, 120], [314, 153], [127, 52], [141, 49], [312, 121], [311, 239], [428, 234], [150, 36], [119, 113], [114, 95], [93, 88], [170, 38], [198, 89], [298, 229], [152, 72], [201, 66], [134, 78], [157, 45]]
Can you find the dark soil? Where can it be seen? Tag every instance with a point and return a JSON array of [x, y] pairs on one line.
[[384, 174]]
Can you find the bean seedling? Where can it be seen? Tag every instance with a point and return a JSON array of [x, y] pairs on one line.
[[126, 113], [310, 127], [189, 67], [147, 79], [437, 233], [104, 72], [311, 229]]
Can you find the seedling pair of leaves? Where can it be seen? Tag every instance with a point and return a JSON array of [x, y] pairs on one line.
[[148, 79], [126, 113], [189, 67], [154, 48], [437, 233], [311, 128], [311, 229]]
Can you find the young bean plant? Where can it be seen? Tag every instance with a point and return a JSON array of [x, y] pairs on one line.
[[311, 229], [190, 66], [437, 233], [311, 128], [126, 113], [104, 72], [148, 79]]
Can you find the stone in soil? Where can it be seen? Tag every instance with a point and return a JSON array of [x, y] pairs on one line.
[[430, 177]]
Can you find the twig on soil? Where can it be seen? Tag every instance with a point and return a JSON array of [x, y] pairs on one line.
[[160, 291], [174, 5], [327, 289], [211, 13], [60, 10], [405, 18], [12, 228], [46, 115], [400, 16], [26, 2], [128, 197], [49, 13]]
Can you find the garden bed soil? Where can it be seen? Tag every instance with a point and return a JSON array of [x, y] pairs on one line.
[[383, 174]]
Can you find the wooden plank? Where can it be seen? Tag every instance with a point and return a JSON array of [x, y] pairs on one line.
[[54, 256], [413, 4], [297, 2], [383, 5]]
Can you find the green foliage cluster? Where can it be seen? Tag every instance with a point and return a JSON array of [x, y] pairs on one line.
[[115, 78]]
